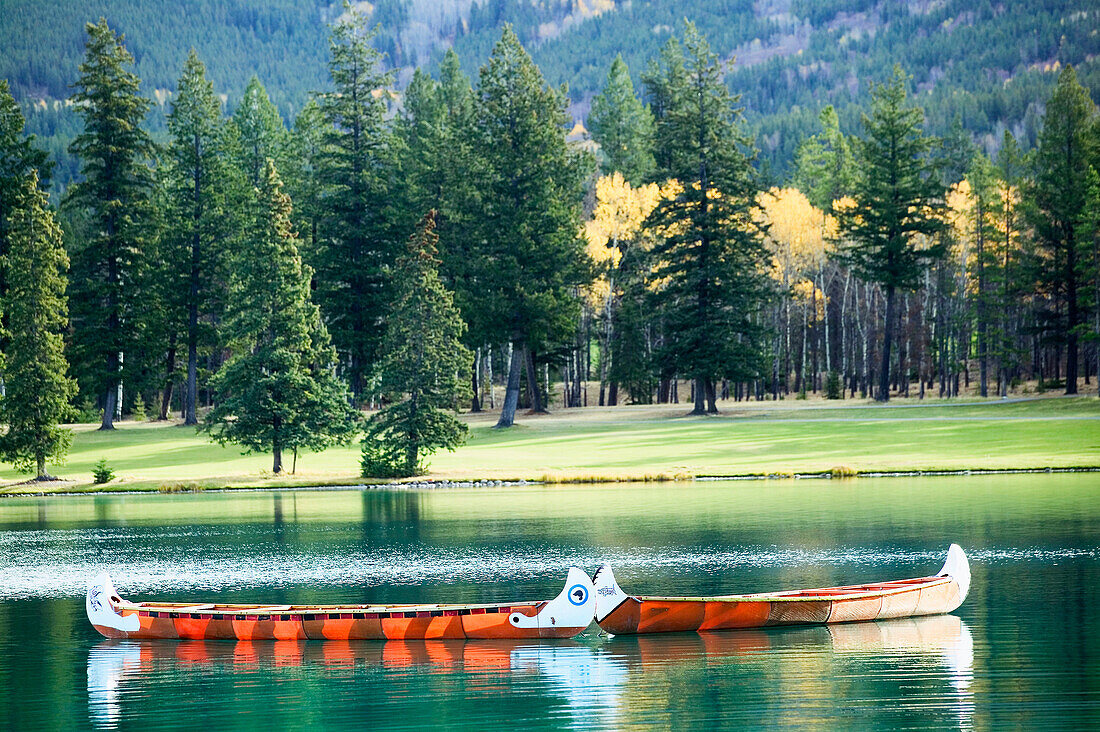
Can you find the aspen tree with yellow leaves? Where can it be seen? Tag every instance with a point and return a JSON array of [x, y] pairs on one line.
[[800, 243], [615, 227]]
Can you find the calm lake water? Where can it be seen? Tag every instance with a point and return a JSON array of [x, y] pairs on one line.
[[1023, 651]]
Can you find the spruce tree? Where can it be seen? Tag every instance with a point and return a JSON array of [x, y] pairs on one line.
[[303, 181], [898, 205], [261, 133], [18, 158], [423, 363], [278, 391], [709, 258], [824, 166], [113, 198], [440, 164], [1055, 207], [359, 238], [37, 386], [622, 126], [195, 231], [529, 255]]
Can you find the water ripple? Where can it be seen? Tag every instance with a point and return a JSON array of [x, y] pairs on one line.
[[40, 564]]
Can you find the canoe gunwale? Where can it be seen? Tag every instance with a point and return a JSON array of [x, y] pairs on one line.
[[832, 596], [297, 610]]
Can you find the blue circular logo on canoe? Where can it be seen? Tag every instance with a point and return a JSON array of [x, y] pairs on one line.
[[578, 594]]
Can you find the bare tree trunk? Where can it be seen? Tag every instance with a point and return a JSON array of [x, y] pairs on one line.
[[533, 387], [489, 377], [712, 406], [698, 391], [475, 372], [887, 342], [110, 402], [170, 366], [276, 449], [511, 392]]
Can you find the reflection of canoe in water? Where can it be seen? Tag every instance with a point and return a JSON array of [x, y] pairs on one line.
[[933, 635], [563, 617], [619, 613], [122, 670]]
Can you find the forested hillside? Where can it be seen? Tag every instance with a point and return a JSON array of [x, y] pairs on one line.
[[987, 65]]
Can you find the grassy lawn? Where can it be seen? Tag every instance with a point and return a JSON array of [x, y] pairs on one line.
[[633, 442]]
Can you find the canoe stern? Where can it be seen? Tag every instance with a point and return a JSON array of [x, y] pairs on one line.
[[100, 604]]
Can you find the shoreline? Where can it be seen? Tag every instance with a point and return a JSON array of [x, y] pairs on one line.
[[25, 490]]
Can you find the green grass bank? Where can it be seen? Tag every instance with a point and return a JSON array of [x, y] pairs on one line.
[[639, 442]]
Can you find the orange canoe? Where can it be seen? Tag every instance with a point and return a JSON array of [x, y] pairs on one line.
[[622, 614], [563, 617]]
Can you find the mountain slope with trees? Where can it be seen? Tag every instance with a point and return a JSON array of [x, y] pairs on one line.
[[990, 66]]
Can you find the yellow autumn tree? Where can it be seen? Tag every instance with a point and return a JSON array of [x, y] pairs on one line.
[[800, 237], [615, 226]]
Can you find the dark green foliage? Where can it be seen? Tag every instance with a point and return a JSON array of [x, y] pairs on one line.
[[196, 224], [261, 134], [37, 387], [710, 259], [1056, 197], [303, 178], [111, 201], [424, 366], [529, 254], [898, 204], [441, 171], [833, 388], [359, 233], [278, 391], [623, 127], [18, 157], [824, 167]]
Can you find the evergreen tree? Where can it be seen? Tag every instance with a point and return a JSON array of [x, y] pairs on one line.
[[710, 257], [113, 198], [278, 391], [38, 389], [958, 153], [440, 172], [303, 179], [622, 126], [529, 252], [824, 167], [424, 362], [261, 133], [984, 197], [898, 205], [362, 211], [18, 157], [196, 218], [1055, 199]]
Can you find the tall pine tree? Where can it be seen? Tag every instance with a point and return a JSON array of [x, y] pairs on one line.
[[261, 133], [424, 365], [529, 255], [278, 391], [898, 205], [1055, 207], [196, 229], [357, 245], [18, 157], [622, 126], [710, 257], [113, 198], [38, 388]]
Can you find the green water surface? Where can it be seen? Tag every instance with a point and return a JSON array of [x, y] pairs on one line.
[[1022, 652]]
